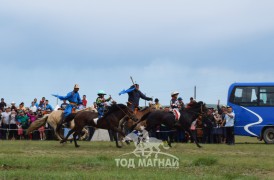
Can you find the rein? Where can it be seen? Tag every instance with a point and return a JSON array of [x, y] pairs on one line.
[[131, 117]]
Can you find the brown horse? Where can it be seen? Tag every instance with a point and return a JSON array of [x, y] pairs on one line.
[[157, 118], [109, 121], [141, 115]]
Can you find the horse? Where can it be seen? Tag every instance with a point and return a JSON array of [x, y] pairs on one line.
[[188, 115], [53, 120], [140, 114], [109, 121]]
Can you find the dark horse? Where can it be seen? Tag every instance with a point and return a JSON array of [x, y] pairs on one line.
[[109, 121], [188, 115]]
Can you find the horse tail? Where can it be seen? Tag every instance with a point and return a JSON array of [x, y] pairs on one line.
[[36, 124]]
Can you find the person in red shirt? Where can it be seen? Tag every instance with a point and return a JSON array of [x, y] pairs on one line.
[[84, 101]]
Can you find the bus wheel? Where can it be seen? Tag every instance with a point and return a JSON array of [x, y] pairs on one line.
[[269, 136]]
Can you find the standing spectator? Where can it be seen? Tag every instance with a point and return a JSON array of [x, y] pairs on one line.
[[13, 126], [191, 102], [2, 104], [20, 131], [42, 133], [33, 107], [32, 117], [41, 106], [157, 104], [35, 102], [13, 107], [22, 107], [223, 111], [64, 105], [218, 129], [43, 100], [48, 107], [23, 120], [181, 103], [84, 101], [94, 105], [208, 126], [229, 126], [5, 122]]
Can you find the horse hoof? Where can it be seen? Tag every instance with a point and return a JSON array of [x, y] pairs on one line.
[[62, 141], [128, 143], [119, 146], [77, 146]]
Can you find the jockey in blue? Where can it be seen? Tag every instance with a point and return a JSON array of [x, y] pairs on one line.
[[74, 100]]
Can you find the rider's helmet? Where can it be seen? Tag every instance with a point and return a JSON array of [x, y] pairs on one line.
[[101, 92], [180, 98], [174, 93]]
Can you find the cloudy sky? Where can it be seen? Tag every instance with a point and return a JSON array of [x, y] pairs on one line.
[[48, 46]]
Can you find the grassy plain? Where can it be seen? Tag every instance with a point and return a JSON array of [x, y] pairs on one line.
[[248, 159]]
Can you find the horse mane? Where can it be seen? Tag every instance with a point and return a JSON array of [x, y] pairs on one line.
[[115, 107], [197, 104]]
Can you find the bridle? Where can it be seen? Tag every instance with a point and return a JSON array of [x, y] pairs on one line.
[[131, 116]]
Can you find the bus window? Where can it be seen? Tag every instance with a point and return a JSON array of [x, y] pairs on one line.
[[245, 96], [266, 96]]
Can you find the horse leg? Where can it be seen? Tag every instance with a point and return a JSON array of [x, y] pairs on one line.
[[194, 138], [75, 139], [58, 134], [66, 138], [169, 139], [116, 139], [169, 142], [122, 135]]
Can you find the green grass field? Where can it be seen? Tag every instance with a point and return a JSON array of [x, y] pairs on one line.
[[96, 160]]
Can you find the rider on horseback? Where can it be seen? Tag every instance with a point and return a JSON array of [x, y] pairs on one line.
[[174, 105], [134, 97], [100, 102], [74, 100]]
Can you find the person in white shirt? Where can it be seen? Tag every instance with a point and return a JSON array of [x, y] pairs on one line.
[[5, 121], [229, 125], [33, 107], [12, 125]]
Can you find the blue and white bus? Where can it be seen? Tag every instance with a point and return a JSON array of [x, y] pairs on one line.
[[253, 105]]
